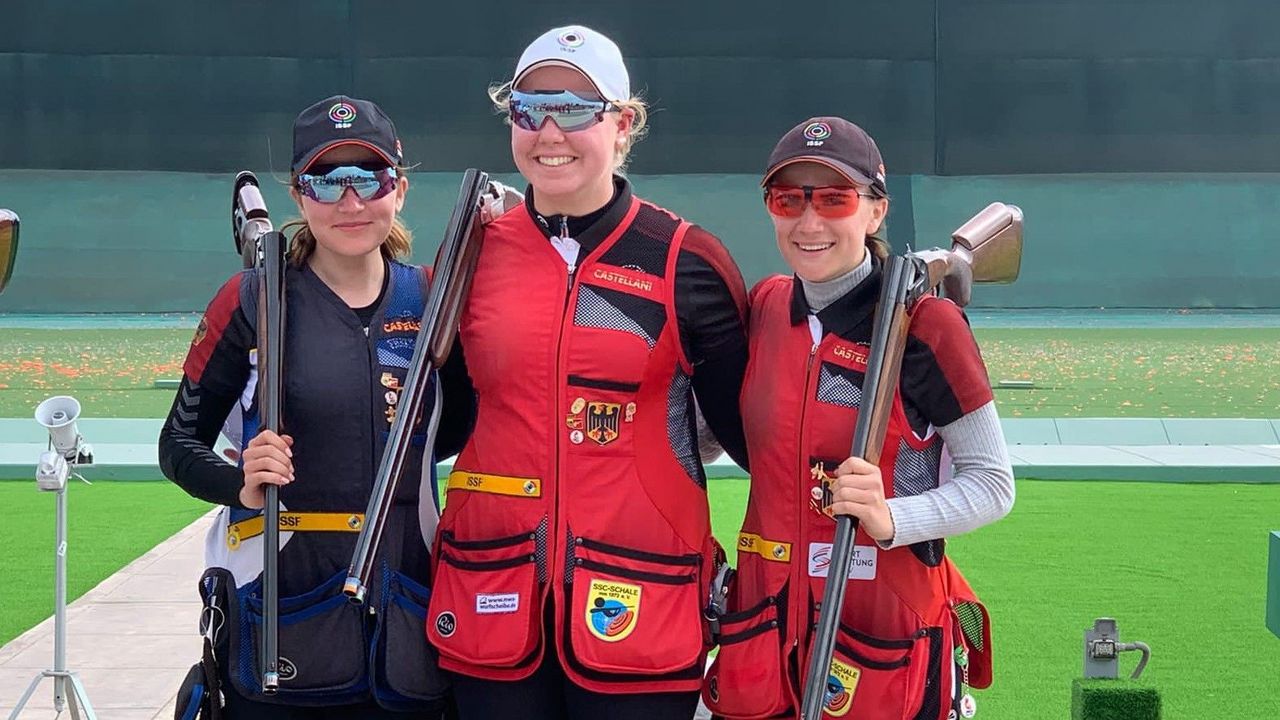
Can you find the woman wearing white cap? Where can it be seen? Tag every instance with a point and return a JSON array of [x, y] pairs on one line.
[[575, 549], [912, 635]]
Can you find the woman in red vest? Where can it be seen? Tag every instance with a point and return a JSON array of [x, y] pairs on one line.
[[574, 553], [912, 636]]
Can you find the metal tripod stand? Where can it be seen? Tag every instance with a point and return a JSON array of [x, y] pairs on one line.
[[53, 473]]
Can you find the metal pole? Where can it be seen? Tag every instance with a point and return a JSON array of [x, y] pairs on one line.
[[60, 603]]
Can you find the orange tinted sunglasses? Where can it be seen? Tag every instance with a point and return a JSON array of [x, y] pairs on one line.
[[832, 202]]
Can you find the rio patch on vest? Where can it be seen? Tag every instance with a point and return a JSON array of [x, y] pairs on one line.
[[612, 609], [862, 566]]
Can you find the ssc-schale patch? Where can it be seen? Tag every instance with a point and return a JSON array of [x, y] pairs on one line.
[[612, 609], [841, 684]]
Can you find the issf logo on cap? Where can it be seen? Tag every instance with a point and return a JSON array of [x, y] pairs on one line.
[[815, 133], [342, 114], [571, 39]]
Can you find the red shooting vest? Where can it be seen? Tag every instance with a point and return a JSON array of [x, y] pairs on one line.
[[901, 619], [581, 484]]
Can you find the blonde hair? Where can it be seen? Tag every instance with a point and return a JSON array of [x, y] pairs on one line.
[[500, 94], [397, 246]]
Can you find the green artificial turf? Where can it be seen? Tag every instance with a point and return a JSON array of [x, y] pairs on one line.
[[109, 525], [1180, 567], [1166, 372], [1118, 699]]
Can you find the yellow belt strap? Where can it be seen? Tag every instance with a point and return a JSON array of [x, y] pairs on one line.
[[496, 484], [767, 549], [295, 522]]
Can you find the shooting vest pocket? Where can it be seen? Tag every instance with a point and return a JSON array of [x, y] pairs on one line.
[[322, 646], [633, 612], [405, 667], [748, 678], [485, 608]]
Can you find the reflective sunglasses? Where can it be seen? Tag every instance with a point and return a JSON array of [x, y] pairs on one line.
[[830, 202], [327, 183], [571, 113]]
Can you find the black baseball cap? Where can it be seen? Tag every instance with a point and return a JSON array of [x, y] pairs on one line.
[[342, 120], [836, 143]]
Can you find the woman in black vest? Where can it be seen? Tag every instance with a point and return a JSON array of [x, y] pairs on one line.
[[352, 308]]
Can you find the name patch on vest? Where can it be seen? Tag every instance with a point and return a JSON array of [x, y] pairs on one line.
[[625, 278], [853, 354], [405, 325], [862, 565], [497, 603], [612, 609]]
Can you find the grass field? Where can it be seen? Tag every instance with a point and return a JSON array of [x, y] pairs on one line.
[[1170, 372], [1182, 567], [110, 524]]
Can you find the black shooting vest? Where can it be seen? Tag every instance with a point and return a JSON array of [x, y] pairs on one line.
[[342, 390]]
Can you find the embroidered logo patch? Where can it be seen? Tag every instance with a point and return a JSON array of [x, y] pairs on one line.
[[342, 114], [816, 132], [862, 565], [446, 624], [841, 684], [570, 38], [612, 609], [602, 421], [406, 325]]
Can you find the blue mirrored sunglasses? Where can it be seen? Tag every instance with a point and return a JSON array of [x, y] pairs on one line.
[[571, 112], [329, 185]]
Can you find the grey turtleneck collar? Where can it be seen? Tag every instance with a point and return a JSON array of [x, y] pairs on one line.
[[821, 294]]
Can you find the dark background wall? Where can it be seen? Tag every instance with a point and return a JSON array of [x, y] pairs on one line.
[[1111, 122]]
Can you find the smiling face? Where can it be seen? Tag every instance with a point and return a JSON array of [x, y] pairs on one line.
[[351, 227], [571, 172], [816, 248]]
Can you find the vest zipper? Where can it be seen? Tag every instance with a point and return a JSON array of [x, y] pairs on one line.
[[573, 266], [802, 609], [558, 525]]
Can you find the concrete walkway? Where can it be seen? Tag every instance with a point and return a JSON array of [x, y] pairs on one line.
[[131, 638]]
